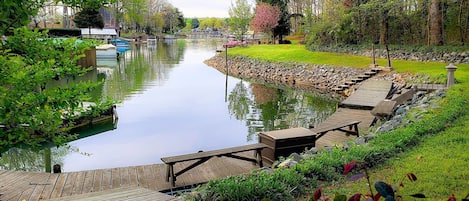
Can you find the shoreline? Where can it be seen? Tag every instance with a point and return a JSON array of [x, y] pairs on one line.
[[317, 78]]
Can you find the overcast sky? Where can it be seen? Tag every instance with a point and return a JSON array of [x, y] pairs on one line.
[[202, 8]]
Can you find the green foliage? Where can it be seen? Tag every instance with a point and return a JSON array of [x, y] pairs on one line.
[[31, 111], [17, 13], [240, 16], [374, 21], [89, 18], [262, 185]]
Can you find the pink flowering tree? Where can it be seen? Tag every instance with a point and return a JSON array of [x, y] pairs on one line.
[[265, 19]]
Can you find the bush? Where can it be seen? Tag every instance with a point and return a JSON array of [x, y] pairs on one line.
[[284, 184]]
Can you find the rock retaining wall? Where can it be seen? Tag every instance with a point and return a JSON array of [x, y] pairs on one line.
[[321, 78], [453, 57]]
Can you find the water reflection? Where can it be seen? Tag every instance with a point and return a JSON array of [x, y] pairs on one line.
[[171, 103], [266, 108], [141, 68]]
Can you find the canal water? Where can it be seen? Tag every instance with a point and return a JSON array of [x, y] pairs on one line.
[[171, 103]]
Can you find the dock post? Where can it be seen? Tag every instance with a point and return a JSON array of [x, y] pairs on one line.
[[450, 80]]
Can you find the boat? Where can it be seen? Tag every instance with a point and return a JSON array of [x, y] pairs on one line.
[[120, 43], [106, 51]]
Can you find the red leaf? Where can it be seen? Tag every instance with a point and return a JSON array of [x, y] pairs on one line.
[[412, 177], [317, 194], [377, 197], [452, 198], [355, 197], [349, 167]]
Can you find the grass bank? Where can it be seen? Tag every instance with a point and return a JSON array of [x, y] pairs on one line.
[[298, 53], [432, 148]]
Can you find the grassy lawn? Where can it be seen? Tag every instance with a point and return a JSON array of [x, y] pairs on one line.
[[439, 161], [298, 53]]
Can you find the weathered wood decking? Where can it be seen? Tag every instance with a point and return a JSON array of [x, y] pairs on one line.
[[18, 186], [370, 93], [357, 107], [126, 193], [343, 115]]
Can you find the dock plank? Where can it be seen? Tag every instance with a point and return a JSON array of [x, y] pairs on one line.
[[79, 183], [368, 95], [336, 138], [129, 193], [89, 181], [59, 185]]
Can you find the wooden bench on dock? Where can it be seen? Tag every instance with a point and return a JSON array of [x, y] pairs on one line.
[[352, 128], [204, 156]]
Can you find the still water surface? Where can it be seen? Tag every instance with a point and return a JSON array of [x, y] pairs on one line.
[[171, 103]]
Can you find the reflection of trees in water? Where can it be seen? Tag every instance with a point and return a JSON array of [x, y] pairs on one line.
[[270, 108], [239, 101], [31, 160], [143, 66]]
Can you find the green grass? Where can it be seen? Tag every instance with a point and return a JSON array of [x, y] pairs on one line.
[[298, 53], [440, 161]]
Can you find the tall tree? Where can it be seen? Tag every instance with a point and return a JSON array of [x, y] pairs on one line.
[[436, 23], [240, 15], [89, 18], [283, 27], [266, 19]]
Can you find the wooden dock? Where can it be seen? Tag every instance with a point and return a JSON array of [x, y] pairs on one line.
[[370, 93], [356, 107], [338, 138], [32, 186]]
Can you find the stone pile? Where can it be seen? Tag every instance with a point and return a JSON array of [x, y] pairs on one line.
[[452, 57], [323, 78]]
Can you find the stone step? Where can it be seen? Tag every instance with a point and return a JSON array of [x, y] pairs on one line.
[[344, 86], [356, 80], [364, 76], [350, 83], [337, 89], [370, 73], [376, 69]]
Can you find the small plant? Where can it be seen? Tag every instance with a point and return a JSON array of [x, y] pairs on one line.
[[384, 190]]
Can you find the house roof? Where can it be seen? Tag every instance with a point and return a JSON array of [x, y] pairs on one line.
[[86, 31]]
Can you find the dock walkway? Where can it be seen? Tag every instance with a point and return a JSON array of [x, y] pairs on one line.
[[34, 186], [356, 107]]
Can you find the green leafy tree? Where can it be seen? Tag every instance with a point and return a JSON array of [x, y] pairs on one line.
[[240, 15], [89, 18], [135, 10], [195, 23], [17, 13], [31, 111]]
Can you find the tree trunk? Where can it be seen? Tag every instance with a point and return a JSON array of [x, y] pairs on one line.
[[436, 23], [383, 30]]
